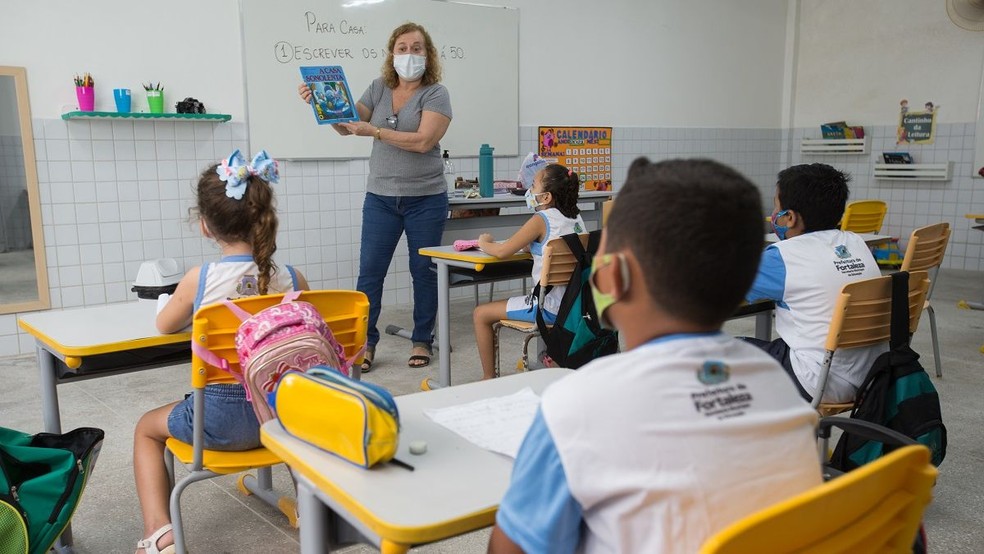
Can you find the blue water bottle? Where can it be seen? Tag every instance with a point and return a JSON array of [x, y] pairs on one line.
[[485, 186]]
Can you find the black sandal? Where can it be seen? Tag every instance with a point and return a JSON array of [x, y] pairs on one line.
[[366, 365], [424, 358]]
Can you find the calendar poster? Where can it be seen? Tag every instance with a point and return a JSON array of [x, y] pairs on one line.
[[586, 150]]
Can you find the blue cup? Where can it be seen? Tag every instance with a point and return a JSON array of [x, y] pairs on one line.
[[122, 97]]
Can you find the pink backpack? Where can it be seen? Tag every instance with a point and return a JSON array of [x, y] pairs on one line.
[[289, 335]]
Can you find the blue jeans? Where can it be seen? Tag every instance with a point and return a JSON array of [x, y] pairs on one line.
[[384, 219]]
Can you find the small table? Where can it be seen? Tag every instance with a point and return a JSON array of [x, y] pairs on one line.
[[979, 220], [94, 342], [88, 343], [445, 257], [870, 239], [597, 198], [455, 487]]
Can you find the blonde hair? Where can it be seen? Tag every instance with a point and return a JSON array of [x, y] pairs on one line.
[[432, 73]]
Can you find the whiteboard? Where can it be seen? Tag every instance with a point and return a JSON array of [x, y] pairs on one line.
[[479, 47]]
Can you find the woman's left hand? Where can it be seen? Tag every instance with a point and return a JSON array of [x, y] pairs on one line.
[[361, 128]]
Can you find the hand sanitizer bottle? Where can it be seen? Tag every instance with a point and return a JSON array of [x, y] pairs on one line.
[[449, 174]]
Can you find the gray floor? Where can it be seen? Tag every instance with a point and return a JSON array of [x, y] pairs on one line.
[[219, 519]]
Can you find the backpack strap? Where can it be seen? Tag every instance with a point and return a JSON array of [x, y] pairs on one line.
[[900, 310], [212, 359], [291, 296]]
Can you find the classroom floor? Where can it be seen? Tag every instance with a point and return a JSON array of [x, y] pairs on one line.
[[219, 519]]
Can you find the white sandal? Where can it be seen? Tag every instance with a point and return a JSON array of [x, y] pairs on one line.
[[150, 543]]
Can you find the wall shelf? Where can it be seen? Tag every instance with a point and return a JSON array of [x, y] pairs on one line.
[[914, 172], [834, 146], [217, 117]]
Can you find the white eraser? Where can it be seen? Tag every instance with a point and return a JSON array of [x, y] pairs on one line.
[[418, 447]]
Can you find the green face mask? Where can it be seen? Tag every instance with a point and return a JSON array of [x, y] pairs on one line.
[[604, 300]]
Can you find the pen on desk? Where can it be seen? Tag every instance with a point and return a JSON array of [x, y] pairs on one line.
[[402, 464]]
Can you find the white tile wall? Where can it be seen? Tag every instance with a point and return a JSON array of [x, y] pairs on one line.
[[117, 193]]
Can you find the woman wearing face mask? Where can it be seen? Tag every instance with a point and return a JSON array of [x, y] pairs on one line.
[[553, 199], [406, 113]]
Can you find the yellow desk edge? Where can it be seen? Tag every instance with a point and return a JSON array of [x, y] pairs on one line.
[[385, 530], [974, 216], [475, 257], [80, 351]]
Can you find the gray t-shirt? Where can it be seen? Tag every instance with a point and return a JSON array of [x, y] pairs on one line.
[[394, 171]]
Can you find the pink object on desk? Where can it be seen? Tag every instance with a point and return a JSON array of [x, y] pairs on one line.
[[460, 245]]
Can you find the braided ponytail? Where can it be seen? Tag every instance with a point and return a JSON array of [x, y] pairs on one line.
[[263, 234]]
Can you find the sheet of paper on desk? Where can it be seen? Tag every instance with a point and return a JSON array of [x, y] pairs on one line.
[[497, 424]]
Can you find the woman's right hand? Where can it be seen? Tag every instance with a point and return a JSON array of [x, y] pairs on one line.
[[305, 92]]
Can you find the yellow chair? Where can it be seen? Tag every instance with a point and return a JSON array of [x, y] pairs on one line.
[[863, 317], [864, 216], [214, 327], [925, 252], [606, 210], [875, 508], [557, 267]]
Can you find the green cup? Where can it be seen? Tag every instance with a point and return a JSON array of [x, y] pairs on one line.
[[155, 101]]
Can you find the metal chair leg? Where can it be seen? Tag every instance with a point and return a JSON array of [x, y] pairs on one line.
[[936, 340], [526, 347], [496, 327], [491, 290]]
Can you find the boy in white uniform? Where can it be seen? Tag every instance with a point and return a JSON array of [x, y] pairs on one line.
[[804, 273], [689, 430]]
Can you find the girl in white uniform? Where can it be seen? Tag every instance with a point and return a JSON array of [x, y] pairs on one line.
[[235, 209], [553, 196]]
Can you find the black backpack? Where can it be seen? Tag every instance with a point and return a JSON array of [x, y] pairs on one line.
[[897, 393], [576, 337]]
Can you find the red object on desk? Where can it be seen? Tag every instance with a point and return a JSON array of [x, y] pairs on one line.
[[461, 245]]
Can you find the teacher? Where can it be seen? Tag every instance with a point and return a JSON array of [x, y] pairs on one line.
[[406, 113]]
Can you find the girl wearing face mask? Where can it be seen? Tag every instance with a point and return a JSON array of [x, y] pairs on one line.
[[405, 112], [553, 199]]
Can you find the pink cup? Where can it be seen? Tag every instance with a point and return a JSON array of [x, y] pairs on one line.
[[86, 97]]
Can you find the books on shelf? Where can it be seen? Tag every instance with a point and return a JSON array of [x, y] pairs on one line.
[[897, 157], [841, 130], [331, 96]]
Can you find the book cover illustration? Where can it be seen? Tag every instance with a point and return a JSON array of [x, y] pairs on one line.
[[332, 98]]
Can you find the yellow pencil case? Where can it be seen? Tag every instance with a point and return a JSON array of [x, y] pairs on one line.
[[354, 420]]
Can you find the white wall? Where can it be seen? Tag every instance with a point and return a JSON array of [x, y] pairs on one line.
[[673, 63], [857, 59], [192, 47]]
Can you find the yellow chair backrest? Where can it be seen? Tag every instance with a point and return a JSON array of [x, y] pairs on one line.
[[926, 247], [559, 262], [606, 210], [875, 508], [864, 216], [863, 311], [214, 326]]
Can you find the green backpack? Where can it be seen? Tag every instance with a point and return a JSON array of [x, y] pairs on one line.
[[41, 482]]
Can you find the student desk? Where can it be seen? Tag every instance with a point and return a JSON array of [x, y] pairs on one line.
[[509, 200], [87, 343], [870, 239], [455, 487], [979, 220], [446, 257], [95, 342]]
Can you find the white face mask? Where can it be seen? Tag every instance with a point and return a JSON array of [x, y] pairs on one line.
[[409, 66]]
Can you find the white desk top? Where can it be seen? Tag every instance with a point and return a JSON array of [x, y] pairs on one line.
[[869, 238], [99, 329], [452, 481], [447, 252]]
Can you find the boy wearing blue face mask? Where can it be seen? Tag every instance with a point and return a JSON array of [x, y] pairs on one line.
[[803, 274], [657, 448], [553, 198]]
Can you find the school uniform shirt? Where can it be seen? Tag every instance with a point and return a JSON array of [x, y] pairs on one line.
[[234, 277], [658, 448], [804, 275], [558, 225]]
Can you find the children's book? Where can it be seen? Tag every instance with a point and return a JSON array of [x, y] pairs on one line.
[[332, 101]]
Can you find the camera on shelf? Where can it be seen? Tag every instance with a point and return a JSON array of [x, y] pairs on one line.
[[189, 105]]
